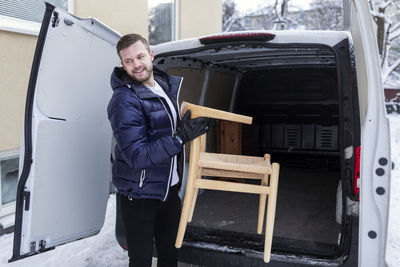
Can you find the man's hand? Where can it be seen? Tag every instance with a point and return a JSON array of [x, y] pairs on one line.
[[188, 129]]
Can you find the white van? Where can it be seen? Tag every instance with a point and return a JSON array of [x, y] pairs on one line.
[[317, 102]]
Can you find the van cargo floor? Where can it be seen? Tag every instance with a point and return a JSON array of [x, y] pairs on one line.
[[305, 210]]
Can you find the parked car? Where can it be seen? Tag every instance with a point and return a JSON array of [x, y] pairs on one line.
[[317, 102]]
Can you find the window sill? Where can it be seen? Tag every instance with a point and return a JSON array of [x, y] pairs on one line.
[[19, 26], [7, 211]]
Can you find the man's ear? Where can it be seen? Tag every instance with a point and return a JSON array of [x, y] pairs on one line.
[[152, 55]]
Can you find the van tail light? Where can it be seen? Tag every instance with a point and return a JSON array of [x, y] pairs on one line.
[[357, 171], [237, 37]]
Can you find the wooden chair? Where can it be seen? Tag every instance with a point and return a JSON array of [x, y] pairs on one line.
[[233, 166]]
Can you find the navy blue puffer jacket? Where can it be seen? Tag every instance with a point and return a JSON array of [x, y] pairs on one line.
[[142, 127]]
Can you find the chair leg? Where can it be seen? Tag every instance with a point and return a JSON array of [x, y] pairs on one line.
[[185, 210], [263, 200], [195, 193], [261, 207], [269, 223], [187, 202]]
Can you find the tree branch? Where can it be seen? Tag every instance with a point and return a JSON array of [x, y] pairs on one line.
[[394, 36], [395, 27], [275, 8], [228, 24], [394, 32], [394, 66], [384, 5], [386, 44]]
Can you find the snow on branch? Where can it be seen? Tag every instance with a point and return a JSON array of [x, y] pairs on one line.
[[384, 5], [394, 36], [395, 27], [389, 69]]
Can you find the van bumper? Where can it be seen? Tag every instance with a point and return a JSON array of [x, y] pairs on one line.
[[213, 253]]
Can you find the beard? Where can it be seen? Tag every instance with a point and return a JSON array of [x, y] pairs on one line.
[[143, 76]]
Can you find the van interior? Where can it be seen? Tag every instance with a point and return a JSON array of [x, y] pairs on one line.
[[294, 92]]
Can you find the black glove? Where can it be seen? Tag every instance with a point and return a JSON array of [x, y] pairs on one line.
[[188, 129]]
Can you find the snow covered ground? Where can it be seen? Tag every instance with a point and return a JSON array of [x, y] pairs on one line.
[[103, 250]]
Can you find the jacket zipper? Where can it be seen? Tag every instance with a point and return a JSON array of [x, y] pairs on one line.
[[142, 176], [172, 161], [180, 117]]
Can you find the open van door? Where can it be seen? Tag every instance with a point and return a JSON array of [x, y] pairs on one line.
[[65, 156], [375, 140]]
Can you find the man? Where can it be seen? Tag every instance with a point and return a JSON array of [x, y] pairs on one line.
[[147, 169]]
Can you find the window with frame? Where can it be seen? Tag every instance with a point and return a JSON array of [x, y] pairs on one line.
[[162, 24], [25, 16]]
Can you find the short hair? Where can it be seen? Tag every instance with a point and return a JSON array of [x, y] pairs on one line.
[[129, 39]]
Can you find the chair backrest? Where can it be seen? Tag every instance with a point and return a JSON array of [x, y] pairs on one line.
[[200, 111], [198, 144]]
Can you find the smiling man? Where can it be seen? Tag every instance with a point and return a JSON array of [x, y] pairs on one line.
[[136, 60], [148, 164]]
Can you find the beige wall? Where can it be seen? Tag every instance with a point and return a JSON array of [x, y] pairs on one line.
[[199, 18], [17, 50], [16, 53], [124, 16]]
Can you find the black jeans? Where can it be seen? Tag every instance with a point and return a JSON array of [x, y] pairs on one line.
[[148, 218]]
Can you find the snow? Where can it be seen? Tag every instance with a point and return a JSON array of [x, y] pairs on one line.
[[103, 249]]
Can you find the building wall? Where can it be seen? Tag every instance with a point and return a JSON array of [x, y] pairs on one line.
[[195, 18], [16, 53], [124, 16]]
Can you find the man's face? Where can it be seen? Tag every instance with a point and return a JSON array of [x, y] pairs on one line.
[[138, 63]]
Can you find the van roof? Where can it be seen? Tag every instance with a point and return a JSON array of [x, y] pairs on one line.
[[281, 37]]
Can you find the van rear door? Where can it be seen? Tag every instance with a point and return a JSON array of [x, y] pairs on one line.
[[375, 140], [65, 156]]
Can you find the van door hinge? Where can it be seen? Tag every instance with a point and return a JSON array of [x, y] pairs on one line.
[[42, 245], [27, 199], [33, 247], [55, 20]]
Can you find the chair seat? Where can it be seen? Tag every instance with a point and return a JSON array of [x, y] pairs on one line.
[[237, 163]]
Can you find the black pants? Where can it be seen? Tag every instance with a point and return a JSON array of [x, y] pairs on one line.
[[148, 218]]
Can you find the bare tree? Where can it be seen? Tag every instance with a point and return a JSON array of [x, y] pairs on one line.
[[281, 12], [386, 15], [325, 15], [231, 19]]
